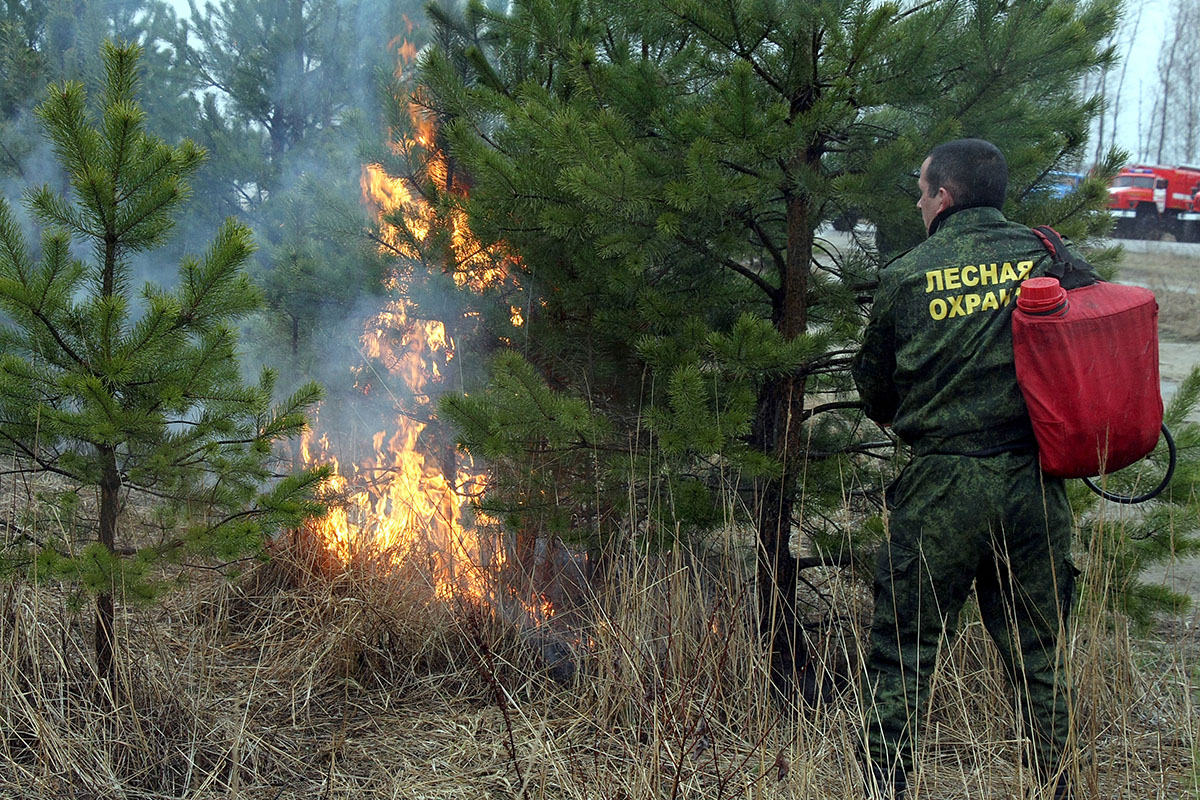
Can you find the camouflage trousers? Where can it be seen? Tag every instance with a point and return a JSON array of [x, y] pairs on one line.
[[996, 522]]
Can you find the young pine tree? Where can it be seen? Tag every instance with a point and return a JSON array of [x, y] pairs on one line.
[[131, 392], [664, 169]]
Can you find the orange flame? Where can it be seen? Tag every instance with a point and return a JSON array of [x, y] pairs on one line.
[[399, 505]]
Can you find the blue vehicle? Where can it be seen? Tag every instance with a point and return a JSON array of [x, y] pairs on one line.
[[1064, 183]]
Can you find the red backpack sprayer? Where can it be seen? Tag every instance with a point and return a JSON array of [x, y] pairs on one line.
[[1086, 354]]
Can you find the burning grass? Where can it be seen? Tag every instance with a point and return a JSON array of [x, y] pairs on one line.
[[297, 682]]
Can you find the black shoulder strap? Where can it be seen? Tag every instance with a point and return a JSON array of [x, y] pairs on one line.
[[1072, 272]]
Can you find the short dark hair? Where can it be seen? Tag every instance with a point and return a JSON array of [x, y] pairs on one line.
[[972, 170]]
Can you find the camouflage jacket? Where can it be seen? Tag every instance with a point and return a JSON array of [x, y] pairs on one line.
[[937, 355]]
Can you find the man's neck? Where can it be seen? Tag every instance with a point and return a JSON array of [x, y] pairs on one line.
[[946, 213]]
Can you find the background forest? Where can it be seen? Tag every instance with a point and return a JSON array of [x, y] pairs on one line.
[[451, 400]]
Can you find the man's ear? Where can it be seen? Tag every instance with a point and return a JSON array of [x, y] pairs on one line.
[[945, 199]]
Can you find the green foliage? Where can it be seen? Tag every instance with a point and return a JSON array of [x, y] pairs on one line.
[[319, 266], [290, 71], [289, 90], [532, 436], [664, 168], [1156, 533], [137, 394], [21, 65], [60, 40]]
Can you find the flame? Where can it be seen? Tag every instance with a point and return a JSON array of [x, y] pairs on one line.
[[402, 504], [405, 510], [477, 266], [539, 609]]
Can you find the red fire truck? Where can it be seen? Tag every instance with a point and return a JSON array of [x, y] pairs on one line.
[[1190, 221], [1147, 200]]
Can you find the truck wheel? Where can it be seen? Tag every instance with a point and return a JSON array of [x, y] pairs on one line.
[[1172, 228], [1190, 232], [1123, 229], [1145, 224]]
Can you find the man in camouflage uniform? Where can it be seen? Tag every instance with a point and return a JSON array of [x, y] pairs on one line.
[[972, 506]]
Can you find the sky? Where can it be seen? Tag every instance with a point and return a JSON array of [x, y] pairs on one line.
[[1141, 77]]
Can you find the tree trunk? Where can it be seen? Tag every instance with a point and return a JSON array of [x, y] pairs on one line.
[[1116, 101], [780, 409], [1100, 120], [294, 444], [779, 626], [110, 489]]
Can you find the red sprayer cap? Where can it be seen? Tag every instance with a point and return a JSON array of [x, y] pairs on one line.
[[1042, 297]]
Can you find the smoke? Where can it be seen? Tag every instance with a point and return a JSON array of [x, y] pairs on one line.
[[284, 122], [30, 163]]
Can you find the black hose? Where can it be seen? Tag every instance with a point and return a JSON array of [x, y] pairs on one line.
[[1150, 495]]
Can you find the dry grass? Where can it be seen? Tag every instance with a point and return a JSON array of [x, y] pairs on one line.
[[286, 684], [1179, 315], [292, 682], [1174, 277]]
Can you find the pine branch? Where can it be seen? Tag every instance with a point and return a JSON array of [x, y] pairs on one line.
[[758, 280], [59, 340], [825, 408], [776, 254], [44, 465]]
